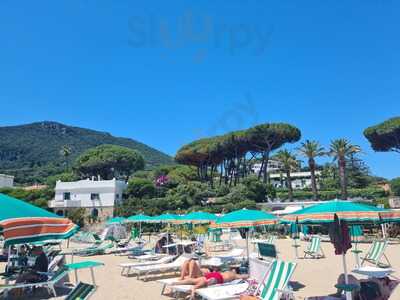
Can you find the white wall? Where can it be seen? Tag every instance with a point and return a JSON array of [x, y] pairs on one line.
[[109, 192], [6, 181]]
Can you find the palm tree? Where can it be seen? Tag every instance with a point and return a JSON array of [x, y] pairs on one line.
[[289, 163], [341, 150], [66, 152], [312, 150]]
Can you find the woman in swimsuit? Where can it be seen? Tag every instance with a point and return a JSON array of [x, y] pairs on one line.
[[191, 273]]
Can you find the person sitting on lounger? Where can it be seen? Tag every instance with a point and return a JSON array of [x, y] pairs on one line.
[[36, 273], [191, 273]]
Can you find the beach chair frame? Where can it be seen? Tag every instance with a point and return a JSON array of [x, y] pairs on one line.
[[314, 251], [49, 284], [376, 260]]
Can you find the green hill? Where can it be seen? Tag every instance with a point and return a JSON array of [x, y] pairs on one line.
[[31, 152]]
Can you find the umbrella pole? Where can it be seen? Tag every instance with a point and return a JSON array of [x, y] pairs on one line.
[[346, 277], [383, 231], [296, 251], [247, 244]]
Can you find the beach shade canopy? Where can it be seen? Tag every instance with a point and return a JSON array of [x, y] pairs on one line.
[[116, 220], [198, 218], [245, 218], [22, 222], [166, 218], [356, 231], [139, 219], [351, 212]]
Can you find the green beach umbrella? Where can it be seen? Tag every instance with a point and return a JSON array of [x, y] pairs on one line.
[[245, 218], [167, 218], [116, 220], [139, 219], [22, 222], [198, 218], [346, 210]]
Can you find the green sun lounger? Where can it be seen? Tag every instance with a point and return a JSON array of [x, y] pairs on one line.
[[314, 249], [273, 286], [277, 279], [81, 292], [49, 284], [375, 254], [267, 250]]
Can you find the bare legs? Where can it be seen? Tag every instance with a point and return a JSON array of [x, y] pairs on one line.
[[190, 269]]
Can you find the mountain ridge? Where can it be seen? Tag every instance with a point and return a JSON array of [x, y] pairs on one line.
[[33, 150]]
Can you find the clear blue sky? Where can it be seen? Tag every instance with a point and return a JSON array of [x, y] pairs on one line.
[[167, 72]]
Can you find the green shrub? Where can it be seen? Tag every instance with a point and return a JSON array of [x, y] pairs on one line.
[[395, 186]]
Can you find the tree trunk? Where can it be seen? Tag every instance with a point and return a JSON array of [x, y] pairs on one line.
[[311, 163], [266, 159], [289, 185], [221, 174], [343, 179]]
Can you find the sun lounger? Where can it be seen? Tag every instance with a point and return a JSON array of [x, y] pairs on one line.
[[160, 268], [272, 287], [233, 255], [81, 292], [96, 250], [314, 249], [49, 284], [186, 288], [128, 266], [375, 254], [267, 251]]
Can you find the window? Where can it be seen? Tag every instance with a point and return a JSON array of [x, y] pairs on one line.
[[67, 196], [94, 196], [117, 196]]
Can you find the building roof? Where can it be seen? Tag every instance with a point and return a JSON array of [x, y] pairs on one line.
[[88, 183], [294, 174]]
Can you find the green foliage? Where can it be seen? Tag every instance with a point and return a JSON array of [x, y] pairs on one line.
[[65, 177], [77, 215], [109, 161], [257, 190], [395, 186], [38, 197], [140, 188], [385, 136], [35, 151], [367, 193]]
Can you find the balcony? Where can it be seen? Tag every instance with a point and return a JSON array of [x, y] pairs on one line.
[[64, 203]]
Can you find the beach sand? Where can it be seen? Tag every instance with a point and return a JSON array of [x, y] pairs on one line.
[[313, 277]]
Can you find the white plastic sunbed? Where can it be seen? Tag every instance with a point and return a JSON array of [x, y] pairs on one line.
[[160, 268], [234, 254], [128, 266]]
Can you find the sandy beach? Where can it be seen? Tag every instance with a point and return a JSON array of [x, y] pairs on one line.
[[313, 277]]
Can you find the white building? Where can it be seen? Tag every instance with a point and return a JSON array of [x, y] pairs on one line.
[[98, 197], [300, 180], [6, 181], [273, 166]]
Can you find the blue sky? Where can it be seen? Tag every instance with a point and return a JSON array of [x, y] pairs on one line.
[[167, 72]]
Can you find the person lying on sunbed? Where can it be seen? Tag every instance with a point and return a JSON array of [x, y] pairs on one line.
[[191, 273]]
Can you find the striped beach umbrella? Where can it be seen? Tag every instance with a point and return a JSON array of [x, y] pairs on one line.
[[348, 211], [245, 218], [22, 222]]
